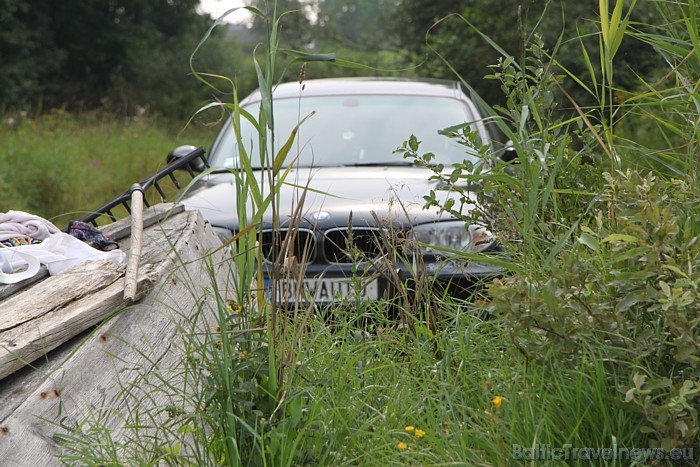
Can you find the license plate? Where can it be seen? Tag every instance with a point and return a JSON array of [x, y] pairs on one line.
[[325, 290]]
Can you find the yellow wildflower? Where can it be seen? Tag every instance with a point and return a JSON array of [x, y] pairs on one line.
[[419, 433], [410, 428], [497, 401], [401, 446], [233, 307]]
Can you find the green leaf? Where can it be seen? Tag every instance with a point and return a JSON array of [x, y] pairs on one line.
[[687, 388], [604, 10], [265, 94], [284, 150], [307, 57], [626, 303], [631, 253], [635, 276], [681, 426], [589, 240], [620, 238], [675, 269], [524, 116]]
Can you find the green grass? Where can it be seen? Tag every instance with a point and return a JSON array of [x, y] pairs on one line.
[[352, 395], [363, 390], [60, 166]]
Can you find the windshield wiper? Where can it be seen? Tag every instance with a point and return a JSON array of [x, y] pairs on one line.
[[394, 163]]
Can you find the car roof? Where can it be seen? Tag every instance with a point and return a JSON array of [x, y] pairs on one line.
[[358, 86]]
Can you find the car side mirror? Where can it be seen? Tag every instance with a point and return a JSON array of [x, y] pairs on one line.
[[196, 163], [509, 154]]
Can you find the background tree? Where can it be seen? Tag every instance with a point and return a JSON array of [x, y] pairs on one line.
[[85, 54], [356, 32], [510, 25], [27, 55], [359, 32], [129, 54]]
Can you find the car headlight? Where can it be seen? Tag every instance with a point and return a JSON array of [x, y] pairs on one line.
[[451, 237]]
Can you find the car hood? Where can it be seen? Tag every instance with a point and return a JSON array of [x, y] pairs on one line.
[[325, 197]]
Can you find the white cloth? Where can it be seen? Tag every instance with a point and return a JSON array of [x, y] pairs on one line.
[[22, 224], [58, 252], [7, 276]]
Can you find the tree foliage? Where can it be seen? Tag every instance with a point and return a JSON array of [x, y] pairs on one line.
[[83, 54], [443, 26], [357, 32], [125, 54], [26, 59]]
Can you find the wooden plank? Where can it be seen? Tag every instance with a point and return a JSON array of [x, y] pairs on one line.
[[73, 284], [119, 371], [116, 231], [151, 216], [6, 290], [25, 343], [14, 390]]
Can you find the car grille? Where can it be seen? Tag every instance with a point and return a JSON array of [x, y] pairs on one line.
[[302, 244], [339, 246], [349, 245]]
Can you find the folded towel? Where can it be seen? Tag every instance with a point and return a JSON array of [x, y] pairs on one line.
[[15, 224]]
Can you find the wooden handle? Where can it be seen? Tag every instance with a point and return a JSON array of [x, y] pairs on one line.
[[132, 265]]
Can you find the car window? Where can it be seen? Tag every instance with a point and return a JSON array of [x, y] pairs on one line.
[[354, 130]]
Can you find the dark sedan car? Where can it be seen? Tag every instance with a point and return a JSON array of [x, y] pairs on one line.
[[355, 206]]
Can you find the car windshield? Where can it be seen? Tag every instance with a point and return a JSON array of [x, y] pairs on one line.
[[354, 130]]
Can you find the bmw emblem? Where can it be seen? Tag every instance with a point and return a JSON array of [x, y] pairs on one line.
[[320, 216]]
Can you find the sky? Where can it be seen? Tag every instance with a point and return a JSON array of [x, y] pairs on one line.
[[216, 8]]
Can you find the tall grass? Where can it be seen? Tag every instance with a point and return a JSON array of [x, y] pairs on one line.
[[257, 193], [668, 108]]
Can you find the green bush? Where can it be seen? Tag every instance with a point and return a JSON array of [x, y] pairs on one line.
[[605, 261], [629, 285]]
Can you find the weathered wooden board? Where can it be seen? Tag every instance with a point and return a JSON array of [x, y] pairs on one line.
[[138, 348], [27, 341], [7, 290], [153, 215], [38, 319], [57, 291]]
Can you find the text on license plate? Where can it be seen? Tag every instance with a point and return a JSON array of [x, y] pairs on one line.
[[327, 290]]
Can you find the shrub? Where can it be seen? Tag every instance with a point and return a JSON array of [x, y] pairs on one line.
[[605, 262], [631, 286]]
